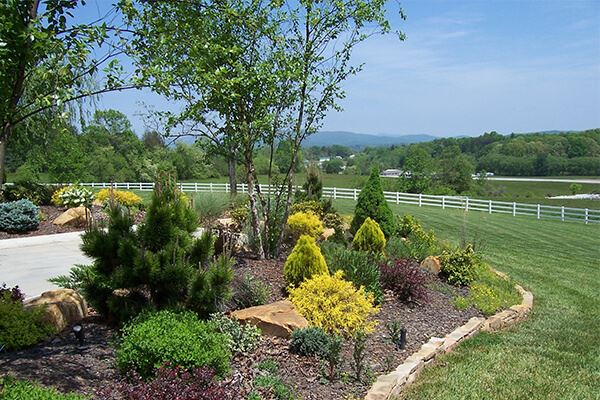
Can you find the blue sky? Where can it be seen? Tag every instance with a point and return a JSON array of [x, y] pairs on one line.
[[466, 67]]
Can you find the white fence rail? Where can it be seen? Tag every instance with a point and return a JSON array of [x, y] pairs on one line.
[[539, 211]]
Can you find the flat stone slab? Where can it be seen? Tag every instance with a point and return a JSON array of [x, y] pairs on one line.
[[275, 319]]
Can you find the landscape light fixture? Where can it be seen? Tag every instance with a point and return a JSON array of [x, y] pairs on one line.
[[402, 338], [79, 333]]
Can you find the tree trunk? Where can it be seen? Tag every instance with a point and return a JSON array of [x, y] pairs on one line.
[[232, 174], [3, 139], [254, 219]]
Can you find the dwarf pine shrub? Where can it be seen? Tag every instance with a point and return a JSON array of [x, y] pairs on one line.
[[369, 237], [19, 216], [335, 305], [305, 223], [304, 261]]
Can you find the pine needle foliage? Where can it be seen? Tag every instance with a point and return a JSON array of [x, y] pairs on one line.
[[369, 238], [304, 261], [371, 203]]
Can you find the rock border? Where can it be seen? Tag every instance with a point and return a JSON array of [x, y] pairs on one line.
[[393, 383]]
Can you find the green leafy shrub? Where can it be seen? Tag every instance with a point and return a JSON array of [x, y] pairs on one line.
[[240, 215], [311, 341], [410, 247], [38, 194], [152, 340], [241, 338], [19, 216], [304, 261], [12, 389], [20, 327], [335, 305], [305, 223], [249, 291], [369, 238], [73, 196], [336, 222], [359, 267], [460, 266], [372, 204]]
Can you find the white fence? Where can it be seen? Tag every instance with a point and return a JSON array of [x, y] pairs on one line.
[[539, 211]]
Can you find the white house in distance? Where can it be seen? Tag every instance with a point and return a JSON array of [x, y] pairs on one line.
[[392, 173]]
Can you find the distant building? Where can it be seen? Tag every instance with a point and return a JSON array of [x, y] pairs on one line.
[[391, 173]]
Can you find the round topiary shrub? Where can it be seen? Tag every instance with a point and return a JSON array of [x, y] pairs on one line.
[[369, 237], [152, 340], [304, 261], [305, 223], [19, 216]]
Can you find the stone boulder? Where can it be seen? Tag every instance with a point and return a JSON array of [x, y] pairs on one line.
[[73, 217], [327, 233], [275, 319], [432, 264], [62, 307]]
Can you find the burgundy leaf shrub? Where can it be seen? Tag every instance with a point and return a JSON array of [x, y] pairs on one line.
[[13, 294], [405, 278], [170, 383]]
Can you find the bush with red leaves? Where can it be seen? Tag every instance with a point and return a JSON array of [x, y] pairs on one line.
[[14, 294], [405, 278], [170, 383]]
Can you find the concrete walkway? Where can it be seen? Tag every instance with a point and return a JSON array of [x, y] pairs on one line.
[[30, 262]]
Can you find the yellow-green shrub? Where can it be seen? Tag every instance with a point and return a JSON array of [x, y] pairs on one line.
[[304, 261], [369, 237], [335, 305], [123, 197], [305, 223], [56, 200]]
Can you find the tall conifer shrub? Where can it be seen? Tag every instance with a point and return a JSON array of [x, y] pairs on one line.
[[371, 203]]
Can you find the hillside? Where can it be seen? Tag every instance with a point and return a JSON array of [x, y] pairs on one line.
[[360, 140]]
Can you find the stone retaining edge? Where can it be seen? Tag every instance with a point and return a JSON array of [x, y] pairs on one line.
[[387, 386]]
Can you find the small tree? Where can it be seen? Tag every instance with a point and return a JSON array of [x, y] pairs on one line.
[[371, 203], [575, 188], [312, 189]]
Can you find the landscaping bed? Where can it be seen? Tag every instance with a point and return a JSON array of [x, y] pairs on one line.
[[64, 364]]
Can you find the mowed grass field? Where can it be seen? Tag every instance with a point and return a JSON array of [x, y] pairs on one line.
[[555, 353]]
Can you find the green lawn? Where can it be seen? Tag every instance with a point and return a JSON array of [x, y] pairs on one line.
[[555, 354]]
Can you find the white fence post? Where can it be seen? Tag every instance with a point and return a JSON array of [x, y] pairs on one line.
[[586, 216], [140, 185], [443, 202], [514, 208], [210, 186], [467, 205], [490, 206], [538, 211], [562, 213], [397, 198], [334, 193], [420, 199], [127, 185], [196, 187], [355, 194]]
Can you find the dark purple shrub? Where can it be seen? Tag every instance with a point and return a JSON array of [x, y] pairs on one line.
[[405, 278], [170, 383], [14, 294]]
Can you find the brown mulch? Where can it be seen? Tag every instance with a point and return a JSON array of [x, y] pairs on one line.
[[64, 364], [50, 213]]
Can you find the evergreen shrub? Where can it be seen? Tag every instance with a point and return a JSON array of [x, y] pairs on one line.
[[372, 203], [311, 341], [155, 339], [304, 261], [305, 223], [369, 238], [19, 216], [359, 267], [335, 305], [460, 266]]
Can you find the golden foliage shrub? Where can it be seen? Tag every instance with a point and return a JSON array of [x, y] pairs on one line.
[[123, 197], [304, 261], [335, 305], [305, 223], [369, 237]]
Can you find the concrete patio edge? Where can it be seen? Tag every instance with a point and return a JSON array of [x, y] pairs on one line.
[[37, 240]]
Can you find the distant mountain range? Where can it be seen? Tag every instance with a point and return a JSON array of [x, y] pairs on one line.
[[360, 140]]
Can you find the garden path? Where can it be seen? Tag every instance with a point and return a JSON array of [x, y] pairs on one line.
[[30, 262]]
